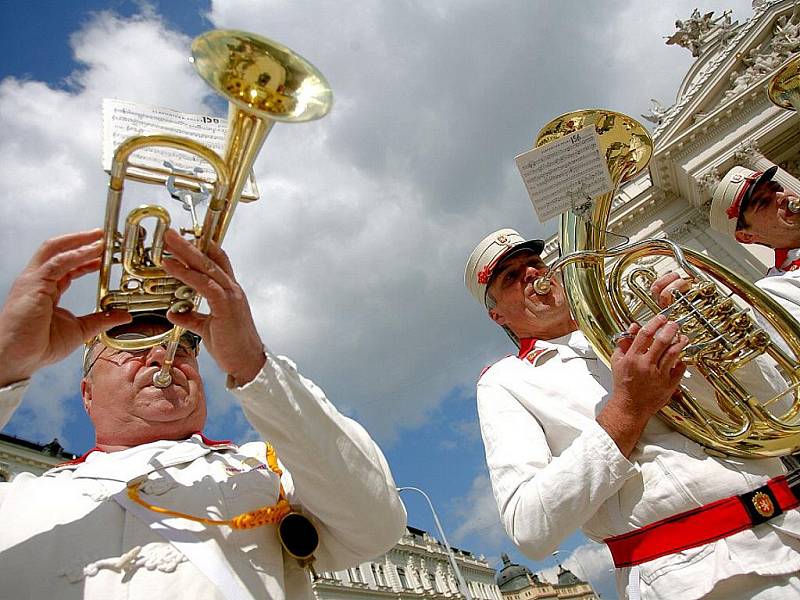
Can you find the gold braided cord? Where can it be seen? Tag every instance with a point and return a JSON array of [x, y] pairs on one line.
[[272, 460], [266, 515]]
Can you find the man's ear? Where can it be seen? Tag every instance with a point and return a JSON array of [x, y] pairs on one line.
[[497, 317], [86, 394], [744, 237]]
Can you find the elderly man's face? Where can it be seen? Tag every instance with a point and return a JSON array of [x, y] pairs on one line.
[[124, 405], [518, 307]]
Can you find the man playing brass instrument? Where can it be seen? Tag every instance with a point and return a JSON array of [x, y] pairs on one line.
[[751, 208], [571, 444], [156, 510]]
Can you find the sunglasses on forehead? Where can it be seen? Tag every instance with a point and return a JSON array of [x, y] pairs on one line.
[[188, 344]]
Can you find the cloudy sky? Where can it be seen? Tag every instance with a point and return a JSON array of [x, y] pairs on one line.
[[353, 258]]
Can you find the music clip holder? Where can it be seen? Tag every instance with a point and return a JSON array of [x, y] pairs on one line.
[[580, 202], [189, 199]]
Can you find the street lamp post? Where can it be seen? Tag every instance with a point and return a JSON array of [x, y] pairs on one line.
[[461, 583]]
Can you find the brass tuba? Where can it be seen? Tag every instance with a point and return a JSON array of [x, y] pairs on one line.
[[784, 91], [714, 406], [784, 87], [264, 82]]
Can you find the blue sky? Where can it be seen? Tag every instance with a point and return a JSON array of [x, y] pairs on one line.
[[353, 259]]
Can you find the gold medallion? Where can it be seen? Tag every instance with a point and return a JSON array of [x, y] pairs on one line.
[[764, 505]]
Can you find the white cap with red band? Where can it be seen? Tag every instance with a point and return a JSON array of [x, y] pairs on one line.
[[735, 189], [487, 255]]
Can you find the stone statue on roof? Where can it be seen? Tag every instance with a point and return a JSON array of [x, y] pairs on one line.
[[689, 32], [657, 112]]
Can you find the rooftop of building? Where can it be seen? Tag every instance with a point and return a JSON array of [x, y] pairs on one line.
[[53, 448]]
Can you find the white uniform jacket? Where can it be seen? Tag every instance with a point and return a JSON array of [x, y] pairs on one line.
[[784, 285], [62, 535], [554, 469]]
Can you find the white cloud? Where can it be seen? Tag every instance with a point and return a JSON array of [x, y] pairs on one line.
[[479, 517], [592, 562]]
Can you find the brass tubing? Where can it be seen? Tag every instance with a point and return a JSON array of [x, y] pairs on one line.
[[264, 82], [163, 378], [725, 338]]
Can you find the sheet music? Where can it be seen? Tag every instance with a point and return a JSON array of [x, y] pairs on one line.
[[564, 173], [122, 119]]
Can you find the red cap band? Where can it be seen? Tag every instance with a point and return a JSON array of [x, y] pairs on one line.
[[733, 209]]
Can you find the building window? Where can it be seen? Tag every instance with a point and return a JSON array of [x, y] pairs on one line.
[[401, 575], [355, 575], [434, 583], [378, 575]]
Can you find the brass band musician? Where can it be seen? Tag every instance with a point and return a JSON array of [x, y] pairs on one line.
[[752, 208], [156, 510], [570, 443]]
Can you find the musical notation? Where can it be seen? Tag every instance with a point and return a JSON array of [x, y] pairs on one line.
[[123, 119], [564, 174]]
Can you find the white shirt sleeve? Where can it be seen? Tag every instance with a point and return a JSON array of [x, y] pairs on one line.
[[336, 472], [544, 498]]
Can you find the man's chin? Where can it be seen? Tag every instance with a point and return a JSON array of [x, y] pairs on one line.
[[165, 404], [169, 418]]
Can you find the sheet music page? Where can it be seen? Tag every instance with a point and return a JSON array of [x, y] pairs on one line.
[[123, 119], [564, 173]]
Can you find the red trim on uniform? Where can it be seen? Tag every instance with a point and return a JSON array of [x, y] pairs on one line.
[[525, 346], [80, 459], [781, 254], [206, 441], [692, 528], [209, 442], [733, 210]]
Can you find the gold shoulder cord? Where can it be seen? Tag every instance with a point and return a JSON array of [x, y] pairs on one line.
[[297, 534], [266, 515]]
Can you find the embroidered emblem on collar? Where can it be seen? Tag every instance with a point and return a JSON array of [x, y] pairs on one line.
[[230, 470], [763, 505], [534, 354]]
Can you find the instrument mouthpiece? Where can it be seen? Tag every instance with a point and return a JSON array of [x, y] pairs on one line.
[[162, 379], [542, 285]]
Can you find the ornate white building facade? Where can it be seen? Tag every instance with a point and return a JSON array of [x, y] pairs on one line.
[[417, 567], [721, 117]]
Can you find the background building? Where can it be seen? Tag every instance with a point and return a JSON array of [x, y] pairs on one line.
[[519, 583], [417, 567], [18, 456]]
